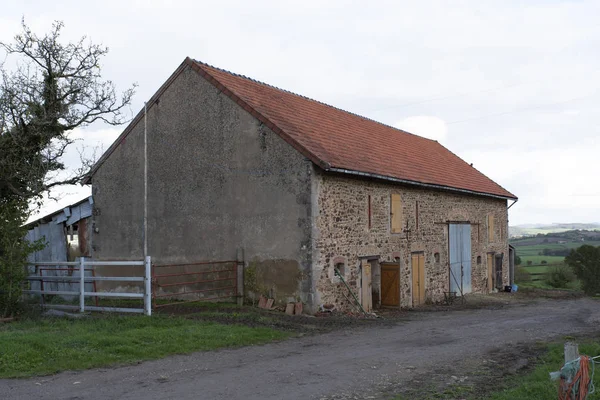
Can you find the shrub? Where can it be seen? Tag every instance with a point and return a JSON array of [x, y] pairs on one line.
[[544, 262], [560, 277], [529, 262], [14, 250], [521, 275], [585, 262]]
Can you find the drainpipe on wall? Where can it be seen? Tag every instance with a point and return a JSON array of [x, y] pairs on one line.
[[145, 228], [511, 254]]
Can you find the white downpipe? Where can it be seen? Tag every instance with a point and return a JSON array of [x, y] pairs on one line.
[[145, 233], [147, 261]]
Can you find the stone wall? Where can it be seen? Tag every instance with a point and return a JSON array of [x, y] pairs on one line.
[[342, 223]]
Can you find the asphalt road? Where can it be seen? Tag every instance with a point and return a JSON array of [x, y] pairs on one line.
[[352, 363]]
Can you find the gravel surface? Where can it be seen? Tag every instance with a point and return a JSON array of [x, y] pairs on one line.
[[367, 362]]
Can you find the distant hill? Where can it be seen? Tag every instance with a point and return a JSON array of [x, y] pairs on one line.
[[575, 237], [535, 229]]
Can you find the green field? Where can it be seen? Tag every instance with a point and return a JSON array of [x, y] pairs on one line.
[[532, 252]]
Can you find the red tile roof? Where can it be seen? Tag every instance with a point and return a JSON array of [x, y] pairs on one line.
[[339, 140], [335, 139]]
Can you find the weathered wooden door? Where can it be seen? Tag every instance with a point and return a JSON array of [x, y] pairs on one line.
[[366, 286], [490, 272], [498, 281], [418, 278], [460, 257], [390, 285]]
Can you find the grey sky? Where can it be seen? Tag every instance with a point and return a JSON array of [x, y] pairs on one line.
[[511, 86]]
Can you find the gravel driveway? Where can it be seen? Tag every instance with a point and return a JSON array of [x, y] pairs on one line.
[[348, 363]]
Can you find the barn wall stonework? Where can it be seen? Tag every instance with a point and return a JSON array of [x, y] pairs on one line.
[[342, 225]]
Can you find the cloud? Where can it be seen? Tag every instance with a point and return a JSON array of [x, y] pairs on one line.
[[492, 81], [427, 126]]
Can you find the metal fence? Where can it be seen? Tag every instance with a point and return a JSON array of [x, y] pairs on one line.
[[77, 284], [174, 284]]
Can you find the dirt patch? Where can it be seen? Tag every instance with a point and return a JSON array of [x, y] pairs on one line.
[[302, 324], [493, 301], [472, 378], [227, 313]]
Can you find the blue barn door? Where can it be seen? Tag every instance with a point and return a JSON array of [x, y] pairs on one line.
[[460, 258]]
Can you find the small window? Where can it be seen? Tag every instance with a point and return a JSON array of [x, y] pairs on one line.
[[478, 259], [417, 214], [341, 267], [396, 213], [436, 257], [369, 212], [490, 227], [338, 263]]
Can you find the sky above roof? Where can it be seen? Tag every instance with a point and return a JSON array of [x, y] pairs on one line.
[[511, 88]]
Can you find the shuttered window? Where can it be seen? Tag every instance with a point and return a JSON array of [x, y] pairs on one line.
[[396, 213]]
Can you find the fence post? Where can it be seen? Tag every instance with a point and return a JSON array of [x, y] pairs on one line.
[[571, 351], [239, 272], [81, 284], [148, 286]]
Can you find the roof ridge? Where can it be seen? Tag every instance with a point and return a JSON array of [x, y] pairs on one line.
[[310, 99]]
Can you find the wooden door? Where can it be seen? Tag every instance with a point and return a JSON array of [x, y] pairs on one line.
[[390, 285], [366, 286], [418, 279], [490, 272]]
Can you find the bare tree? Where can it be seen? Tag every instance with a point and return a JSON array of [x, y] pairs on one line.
[[53, 89]]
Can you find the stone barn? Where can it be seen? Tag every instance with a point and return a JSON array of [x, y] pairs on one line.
[[303, 188]]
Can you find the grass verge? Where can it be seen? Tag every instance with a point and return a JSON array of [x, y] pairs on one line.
[[47, 346], [537, 384]]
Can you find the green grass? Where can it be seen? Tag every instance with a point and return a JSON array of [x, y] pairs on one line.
[[540, 282], [536, 259], [47, 346], [538, 269], [574, 286], [537, 384]]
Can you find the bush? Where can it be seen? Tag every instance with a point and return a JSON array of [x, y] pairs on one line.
[[585, 262], [14, 250], [521, 275], [544, 262], [560, 277], [529, 262]]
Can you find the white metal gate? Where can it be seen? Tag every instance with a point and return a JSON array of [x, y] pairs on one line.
[[79, 280]]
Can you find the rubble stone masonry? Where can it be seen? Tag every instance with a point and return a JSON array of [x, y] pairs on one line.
[[343, 233]]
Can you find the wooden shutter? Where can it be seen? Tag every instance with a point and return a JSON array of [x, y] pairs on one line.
[[396, 213]]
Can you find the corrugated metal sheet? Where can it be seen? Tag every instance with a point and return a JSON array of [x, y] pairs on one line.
[[81, 211], [53, 233]]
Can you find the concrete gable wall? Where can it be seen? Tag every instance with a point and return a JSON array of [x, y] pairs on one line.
[[218, 180]]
